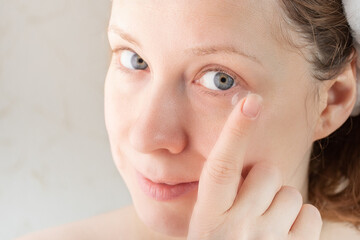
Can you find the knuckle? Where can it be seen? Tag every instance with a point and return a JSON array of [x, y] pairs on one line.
[[221, 171], [267, 236], [269, 172], [313, 213], [239, 130], [292, 194]]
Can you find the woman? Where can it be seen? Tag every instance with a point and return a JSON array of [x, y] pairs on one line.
[[218, 113]]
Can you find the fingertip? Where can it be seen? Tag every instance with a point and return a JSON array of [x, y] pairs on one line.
[[308, 222], [252, 106]]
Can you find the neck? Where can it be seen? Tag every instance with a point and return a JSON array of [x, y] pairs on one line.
[[300, 177]]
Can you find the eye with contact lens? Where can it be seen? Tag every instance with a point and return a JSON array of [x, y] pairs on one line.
[[132, 60], [216, 80]]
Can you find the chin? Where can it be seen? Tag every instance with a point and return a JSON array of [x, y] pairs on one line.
[[169, 218]]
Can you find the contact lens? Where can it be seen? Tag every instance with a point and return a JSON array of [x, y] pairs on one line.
[[238, 96]]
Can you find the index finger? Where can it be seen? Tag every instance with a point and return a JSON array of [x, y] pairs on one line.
[[221, 174]]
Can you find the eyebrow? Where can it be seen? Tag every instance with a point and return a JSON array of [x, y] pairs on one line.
[[123, 35], [201, 51], [198, 51]]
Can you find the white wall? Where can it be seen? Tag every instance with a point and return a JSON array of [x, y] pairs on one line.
[[55, 161]]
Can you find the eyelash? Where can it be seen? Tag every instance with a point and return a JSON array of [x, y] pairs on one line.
[[218, 69]]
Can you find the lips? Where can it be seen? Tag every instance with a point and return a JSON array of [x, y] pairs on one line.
[[164, 191], [164, 181]]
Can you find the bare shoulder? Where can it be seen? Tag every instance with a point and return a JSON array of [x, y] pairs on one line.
[[116, 224], [339, 230]]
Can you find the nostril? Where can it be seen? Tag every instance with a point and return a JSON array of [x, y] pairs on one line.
[[152, 136]]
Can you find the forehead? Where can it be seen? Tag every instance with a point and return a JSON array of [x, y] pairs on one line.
[[177, 24]]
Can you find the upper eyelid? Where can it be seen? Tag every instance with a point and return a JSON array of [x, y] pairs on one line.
[[116, 50], [219, 69]]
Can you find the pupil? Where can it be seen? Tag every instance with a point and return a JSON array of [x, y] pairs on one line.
[[140, 60], [222, 81]]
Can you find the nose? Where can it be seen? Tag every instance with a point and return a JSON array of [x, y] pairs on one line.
[[159, 122]]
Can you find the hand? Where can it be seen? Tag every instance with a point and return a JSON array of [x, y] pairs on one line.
[[257, 207]]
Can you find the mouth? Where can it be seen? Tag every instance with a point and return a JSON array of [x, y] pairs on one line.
[[164, 191], [164, 180]]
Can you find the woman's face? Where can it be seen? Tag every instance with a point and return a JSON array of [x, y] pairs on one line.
[[165, 112]]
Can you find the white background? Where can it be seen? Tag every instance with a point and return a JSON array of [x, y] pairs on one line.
[[55, 160]]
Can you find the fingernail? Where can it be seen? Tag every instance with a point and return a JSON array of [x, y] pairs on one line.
[[252, 105]]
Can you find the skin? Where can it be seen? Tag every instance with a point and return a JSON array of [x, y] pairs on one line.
[[158, 119], [162, 123]]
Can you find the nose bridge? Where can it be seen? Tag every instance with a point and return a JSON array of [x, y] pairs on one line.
[[158, 124], [159, 104]]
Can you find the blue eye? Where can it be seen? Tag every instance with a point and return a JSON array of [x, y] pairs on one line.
[[217, 80], [132, 60]]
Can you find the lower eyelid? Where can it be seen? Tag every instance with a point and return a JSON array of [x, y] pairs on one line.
[[214, 94], [223, 93]]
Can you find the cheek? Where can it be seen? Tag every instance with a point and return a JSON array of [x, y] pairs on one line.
[[203, 132], [117, 104], [283, 136], [117, 112], [114, 112]]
